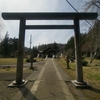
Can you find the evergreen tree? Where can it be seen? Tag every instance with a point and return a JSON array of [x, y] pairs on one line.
[[55, 46], [6, 45], [70, 44]]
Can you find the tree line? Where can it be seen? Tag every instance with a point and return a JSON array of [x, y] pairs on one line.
[[8, 46], [60, 48], [90, 43]]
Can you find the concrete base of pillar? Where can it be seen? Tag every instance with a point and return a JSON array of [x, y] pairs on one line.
[[68, 68], [31, 67], [16, 84], [80, 84]]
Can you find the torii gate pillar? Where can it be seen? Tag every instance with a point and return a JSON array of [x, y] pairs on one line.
[[19, 70], [79, 70]]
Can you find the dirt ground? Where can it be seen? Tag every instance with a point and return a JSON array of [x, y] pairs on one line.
[[7, 75]]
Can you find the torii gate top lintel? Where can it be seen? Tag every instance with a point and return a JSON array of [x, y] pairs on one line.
[[48, 16]]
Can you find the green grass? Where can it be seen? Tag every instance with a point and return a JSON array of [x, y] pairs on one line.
[[8, 61], [94, 76], [95, 61], [91, 74]]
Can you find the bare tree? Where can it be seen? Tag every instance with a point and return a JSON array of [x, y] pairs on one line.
[[94, 40], [94, 32], [92, 6]]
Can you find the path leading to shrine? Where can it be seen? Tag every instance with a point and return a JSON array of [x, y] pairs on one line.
[[49, 84]]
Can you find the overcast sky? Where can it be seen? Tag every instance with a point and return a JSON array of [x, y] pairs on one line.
[[39, 36]]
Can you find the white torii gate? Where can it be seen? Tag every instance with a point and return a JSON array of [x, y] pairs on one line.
[[79, 82]]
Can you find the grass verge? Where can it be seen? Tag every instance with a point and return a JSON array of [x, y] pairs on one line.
[[91, 75], [9, 61]]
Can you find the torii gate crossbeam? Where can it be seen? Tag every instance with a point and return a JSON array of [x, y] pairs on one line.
[[79, 82]]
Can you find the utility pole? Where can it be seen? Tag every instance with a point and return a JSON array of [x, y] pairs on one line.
[[30, 41], [31, 54]]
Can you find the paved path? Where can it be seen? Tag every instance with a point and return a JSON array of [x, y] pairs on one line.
[[52, 84], [49, 84]]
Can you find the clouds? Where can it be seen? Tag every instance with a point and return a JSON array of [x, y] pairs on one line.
[[48, 36], [38, 36], [14, 5], [32, 5]]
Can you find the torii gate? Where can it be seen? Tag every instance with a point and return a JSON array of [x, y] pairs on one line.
[[49, 16]]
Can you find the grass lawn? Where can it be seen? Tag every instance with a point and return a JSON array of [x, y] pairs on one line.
[[13, 70], [91, 74], [8, 61]]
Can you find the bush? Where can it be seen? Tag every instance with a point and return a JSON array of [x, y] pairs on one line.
[[97, 56], [1, 56], [28, 60], [83, 57], [84, 62], [34, 60], [72, 59]]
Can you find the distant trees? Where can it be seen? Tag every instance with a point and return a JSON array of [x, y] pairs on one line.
[[60, 48], [55, 46], [5, 44], [42, 47], [34, 51], [94, 39], [90, 42], [94, 32], [69, 48], [8, 46]]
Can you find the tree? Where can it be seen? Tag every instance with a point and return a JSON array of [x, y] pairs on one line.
[[55, 46], [42, 47], [13, 46], [94, 32], [70, 44], [8, 46], [92, 6], [69, 48], [5, 45], [94, 40]]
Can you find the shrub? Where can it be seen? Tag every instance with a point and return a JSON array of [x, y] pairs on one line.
[[84, 62], [83, 57], [28, 60], [34, 60], [97, 56], [1, 56], [72, 59]]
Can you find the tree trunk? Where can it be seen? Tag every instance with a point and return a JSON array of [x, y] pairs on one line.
[[93, 56]]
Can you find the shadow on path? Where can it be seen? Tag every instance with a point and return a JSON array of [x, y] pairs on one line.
[[27, 95], [95, 90]]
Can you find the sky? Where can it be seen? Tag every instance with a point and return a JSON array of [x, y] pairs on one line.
[[39, 36]]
